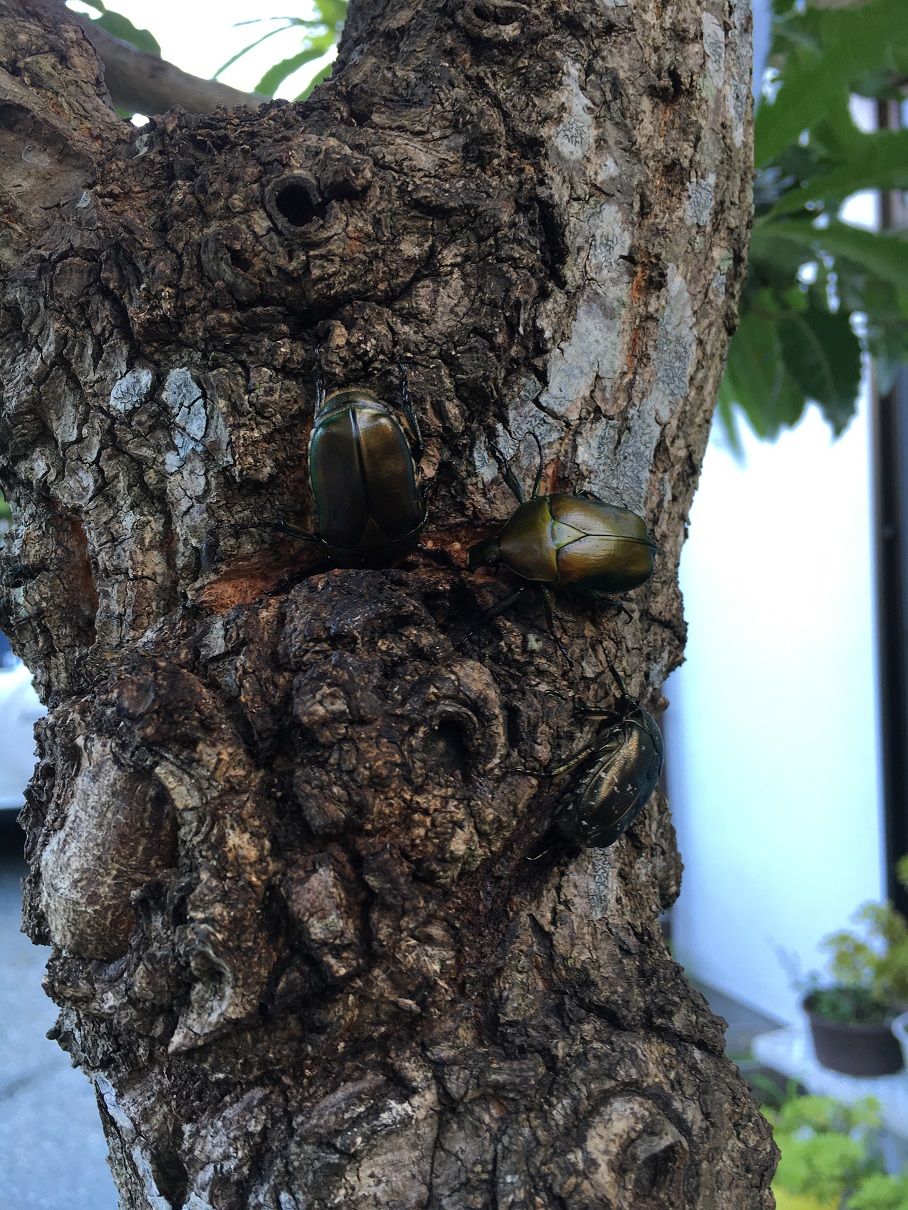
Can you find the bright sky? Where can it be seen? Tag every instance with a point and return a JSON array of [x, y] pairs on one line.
[[200, 35]]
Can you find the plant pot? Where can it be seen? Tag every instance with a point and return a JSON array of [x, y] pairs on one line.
[[899, 1027], [854, 1050]]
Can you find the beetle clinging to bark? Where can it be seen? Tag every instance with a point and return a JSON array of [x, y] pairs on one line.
[[362, 469], [566, 542], [625, 762]]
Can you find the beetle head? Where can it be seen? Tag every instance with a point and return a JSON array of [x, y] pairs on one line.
[[484, 554]]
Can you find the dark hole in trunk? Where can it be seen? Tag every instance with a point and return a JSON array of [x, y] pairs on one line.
[[297, 205]]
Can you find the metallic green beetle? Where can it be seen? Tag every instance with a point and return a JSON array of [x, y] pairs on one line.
[[363, 475], [624, 769], [571, 542], [566, 542], [362, 470]]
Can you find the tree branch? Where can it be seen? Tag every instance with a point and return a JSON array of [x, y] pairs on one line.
[[145, 84]]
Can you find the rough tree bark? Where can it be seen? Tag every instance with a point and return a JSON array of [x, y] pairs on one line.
[[280, 827]]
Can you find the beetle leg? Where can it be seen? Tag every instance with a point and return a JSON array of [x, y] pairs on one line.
[[538, 479], [577, 759], [603, 598], [411, 423], [490, 613], [440, 556], [506, 473], [509, 600], [545, 852], [281, 526], [625, 696], [301, 535], [550, 622], [320, 392]]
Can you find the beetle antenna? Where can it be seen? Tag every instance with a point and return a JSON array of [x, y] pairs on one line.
[[504, 468], [320, 393], [538, 479], [406, 407], [625, 696]]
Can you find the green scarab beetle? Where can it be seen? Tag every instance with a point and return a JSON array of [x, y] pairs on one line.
[[566, 543], [571, 542], [624, 764], [362, 470]]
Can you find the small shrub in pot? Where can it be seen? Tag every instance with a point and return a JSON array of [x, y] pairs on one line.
[[850, 1017]]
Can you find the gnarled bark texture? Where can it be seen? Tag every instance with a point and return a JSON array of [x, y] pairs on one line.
[[280, 829]]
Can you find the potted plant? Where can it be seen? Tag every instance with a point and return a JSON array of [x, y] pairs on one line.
[[850, 1017]]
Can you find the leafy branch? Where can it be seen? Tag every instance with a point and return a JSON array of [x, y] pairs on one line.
[[820, 291], [318, 36], [121, 27]]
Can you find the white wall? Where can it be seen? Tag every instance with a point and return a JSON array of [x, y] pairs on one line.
[[772, 729]]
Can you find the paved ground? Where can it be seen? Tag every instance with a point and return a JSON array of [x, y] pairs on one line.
[[52, 1149]]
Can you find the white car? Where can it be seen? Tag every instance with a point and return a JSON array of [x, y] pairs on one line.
[[20, 709]]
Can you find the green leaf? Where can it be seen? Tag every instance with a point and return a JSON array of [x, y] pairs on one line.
[[252, 45], [319, 76], [776, 257], [823, 357], [275, 76], [122, 28], [727, 417], [851, 41], [332, 12], [757, 379], [882, 254], [872, 161]]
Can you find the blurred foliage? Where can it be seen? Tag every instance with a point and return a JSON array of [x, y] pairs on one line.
[[831, 1153], [317, 36], [847, 1005], [880, 1192], [820, 290], [868, 966], [832, 1157], [122, 28], [872, 959]]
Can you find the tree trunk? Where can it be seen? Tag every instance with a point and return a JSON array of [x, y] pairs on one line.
[[281, 828]]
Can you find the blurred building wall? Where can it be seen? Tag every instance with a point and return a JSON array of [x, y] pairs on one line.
[[772, 730]]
